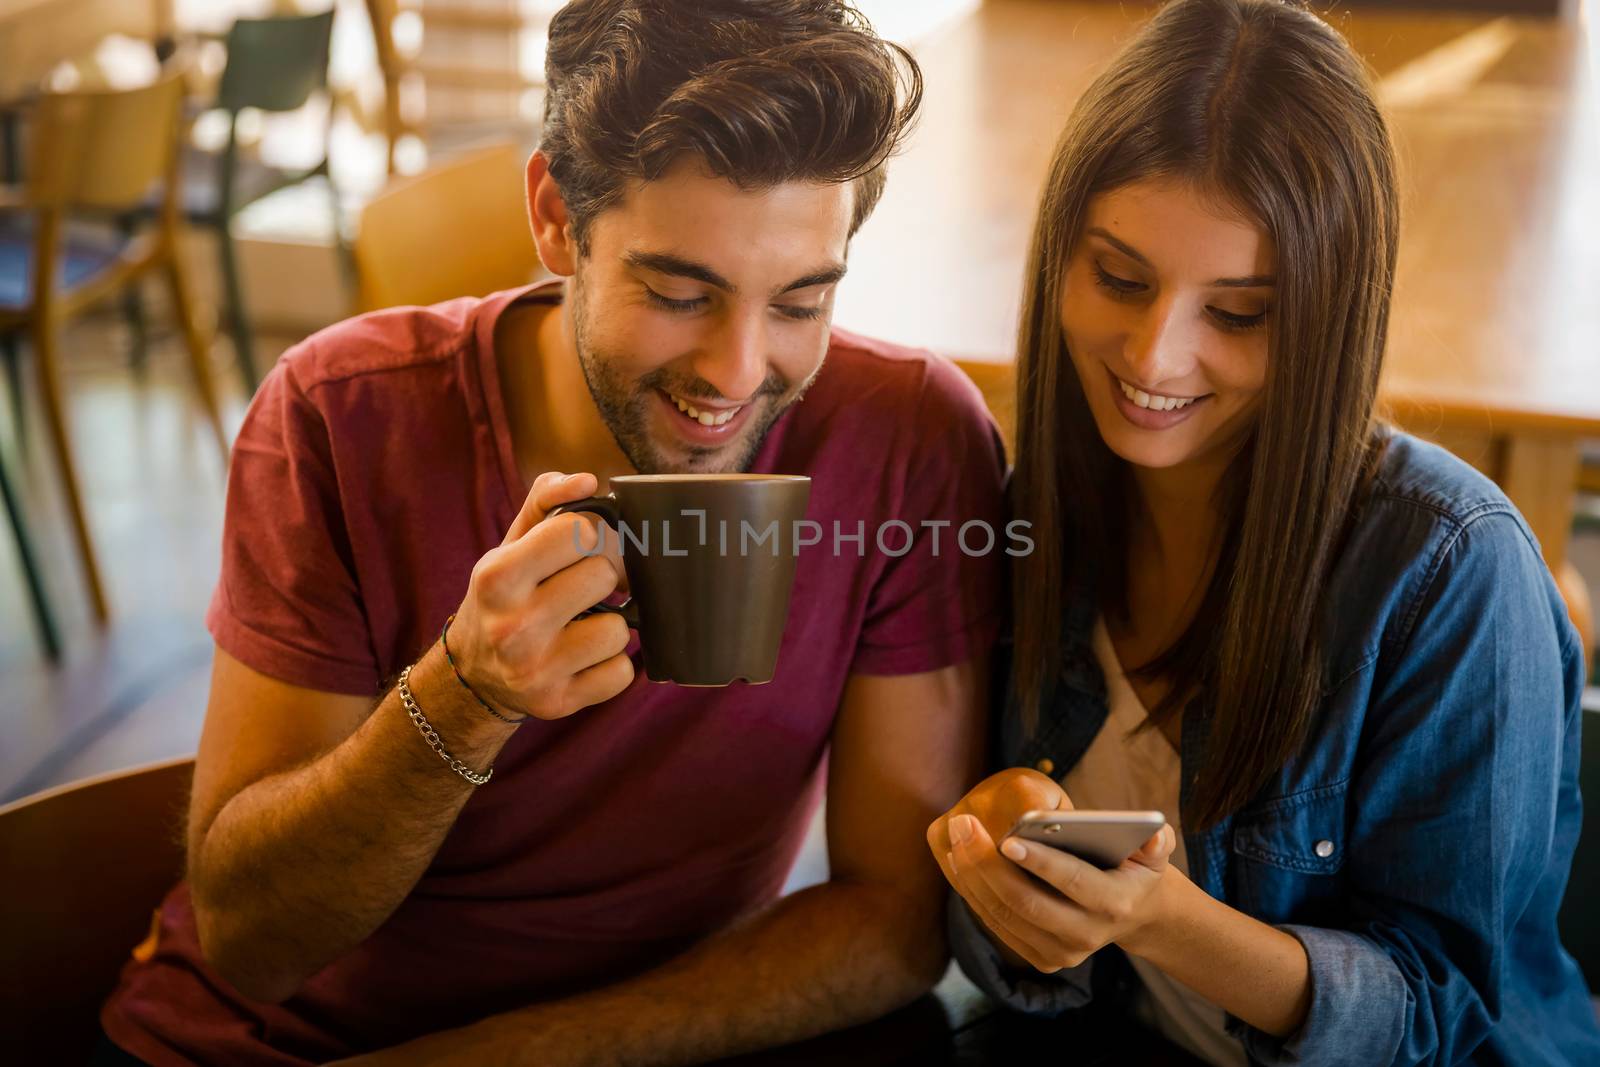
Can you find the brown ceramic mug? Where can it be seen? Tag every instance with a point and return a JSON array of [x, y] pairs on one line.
[[710, 561]]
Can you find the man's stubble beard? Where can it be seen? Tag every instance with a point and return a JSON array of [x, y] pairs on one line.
[[626, 412]]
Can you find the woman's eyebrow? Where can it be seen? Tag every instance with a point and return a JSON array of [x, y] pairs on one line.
[[1120, 245], [1249, 281]]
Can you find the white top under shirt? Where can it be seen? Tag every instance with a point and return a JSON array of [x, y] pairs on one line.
[[1128, 771]]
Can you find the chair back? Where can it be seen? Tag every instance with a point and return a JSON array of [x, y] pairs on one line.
[[1580, 919], [104, 149], [382, 13], [458, 229], [998, 384], [86, 866], [275, 64]]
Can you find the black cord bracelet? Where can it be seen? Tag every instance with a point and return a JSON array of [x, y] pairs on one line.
[[444, 639]]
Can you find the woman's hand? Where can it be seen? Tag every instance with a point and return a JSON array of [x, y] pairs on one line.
[[1048, 907], [997, 802]]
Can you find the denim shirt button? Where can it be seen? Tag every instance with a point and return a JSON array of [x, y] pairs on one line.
[[1045, 766], [1324, 849]]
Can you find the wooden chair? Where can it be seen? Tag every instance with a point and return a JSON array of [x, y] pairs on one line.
[[275, 65], [485, 32], [86, 866], [998, 384], [458, 229], [100, 152], [1579, 921], [43, 617]]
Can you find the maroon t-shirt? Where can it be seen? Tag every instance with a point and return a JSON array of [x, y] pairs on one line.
[[373, 470]]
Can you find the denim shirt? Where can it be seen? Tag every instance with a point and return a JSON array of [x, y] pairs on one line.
[[1419, 844]]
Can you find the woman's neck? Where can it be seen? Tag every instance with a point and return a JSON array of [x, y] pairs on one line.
[[1175, 515]]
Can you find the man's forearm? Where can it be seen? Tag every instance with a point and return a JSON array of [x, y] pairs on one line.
[[827, 957], [298, 868]]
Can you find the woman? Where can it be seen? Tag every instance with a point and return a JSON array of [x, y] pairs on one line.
[[1329, 653]]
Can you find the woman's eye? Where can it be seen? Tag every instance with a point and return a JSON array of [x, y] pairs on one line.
[[1114, 285], [667, 303], [1233, 322]]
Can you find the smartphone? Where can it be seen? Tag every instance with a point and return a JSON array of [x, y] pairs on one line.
[[1103, 838]]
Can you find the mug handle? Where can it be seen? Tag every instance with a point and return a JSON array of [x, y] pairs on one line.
[[606, 508]]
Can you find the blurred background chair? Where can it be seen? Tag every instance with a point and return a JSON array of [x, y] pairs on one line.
[[273, 65], [86, 867], [998, 384], [43, 616], [1580, 919], [95, 152], [458, 229], [453, 69]]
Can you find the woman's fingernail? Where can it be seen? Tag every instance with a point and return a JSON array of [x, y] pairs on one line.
[[1014, 849], [960, 830]]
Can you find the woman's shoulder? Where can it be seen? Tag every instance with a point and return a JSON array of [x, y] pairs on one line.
[[1414, 474], [1424, 501], [1430, 527]]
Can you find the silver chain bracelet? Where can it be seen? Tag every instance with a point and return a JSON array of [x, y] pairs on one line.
[[430, 735]]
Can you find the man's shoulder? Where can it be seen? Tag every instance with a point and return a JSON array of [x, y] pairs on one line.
[[378, 342], [912, 380]]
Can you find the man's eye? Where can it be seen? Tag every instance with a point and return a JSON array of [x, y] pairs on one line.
[[799, 314], [666, 303]]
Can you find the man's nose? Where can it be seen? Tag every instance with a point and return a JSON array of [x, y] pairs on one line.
[[736, 359]]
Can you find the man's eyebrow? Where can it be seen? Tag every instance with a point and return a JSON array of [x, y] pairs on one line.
[[1249, 281], [666, 263], [825, 276]]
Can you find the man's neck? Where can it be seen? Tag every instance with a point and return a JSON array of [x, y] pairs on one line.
[[554, 423]]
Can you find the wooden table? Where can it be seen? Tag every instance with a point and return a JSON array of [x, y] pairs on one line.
[[1494, 347]]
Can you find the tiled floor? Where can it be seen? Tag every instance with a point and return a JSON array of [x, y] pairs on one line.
[[153, 486]]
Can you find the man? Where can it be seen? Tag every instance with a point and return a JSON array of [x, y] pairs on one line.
[[610, 895]]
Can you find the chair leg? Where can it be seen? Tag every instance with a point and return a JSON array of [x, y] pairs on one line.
[[237, 317], [48, 634], [11, 349], [341, 250], [199, 356], [133, 312], [45, 352]]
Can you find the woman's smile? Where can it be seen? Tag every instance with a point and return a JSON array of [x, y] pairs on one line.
[[1151, 411]]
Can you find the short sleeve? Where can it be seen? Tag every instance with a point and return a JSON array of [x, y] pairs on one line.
[[939, 598], [287, 602]]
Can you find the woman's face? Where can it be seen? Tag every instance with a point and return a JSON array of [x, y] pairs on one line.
[[1164, 312]]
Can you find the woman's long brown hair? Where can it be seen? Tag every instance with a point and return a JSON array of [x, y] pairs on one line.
[[1261, 106]]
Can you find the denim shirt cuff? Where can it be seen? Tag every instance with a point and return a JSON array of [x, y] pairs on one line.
[[1359, 1004], [1022, 990]]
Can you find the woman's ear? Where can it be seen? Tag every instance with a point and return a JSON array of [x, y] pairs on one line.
[[547, 211]]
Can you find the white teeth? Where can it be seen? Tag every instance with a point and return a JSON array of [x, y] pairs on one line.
[[704, 418], [1154, 403]]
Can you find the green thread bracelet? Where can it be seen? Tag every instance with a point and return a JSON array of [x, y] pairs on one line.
[[444, 639]]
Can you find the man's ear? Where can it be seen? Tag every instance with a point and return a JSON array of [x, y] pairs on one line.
[[552, 231]]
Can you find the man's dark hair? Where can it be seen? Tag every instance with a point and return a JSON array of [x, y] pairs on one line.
[[761, 91]]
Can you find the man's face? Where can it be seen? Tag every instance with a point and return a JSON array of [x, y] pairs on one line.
[[701, 312]]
